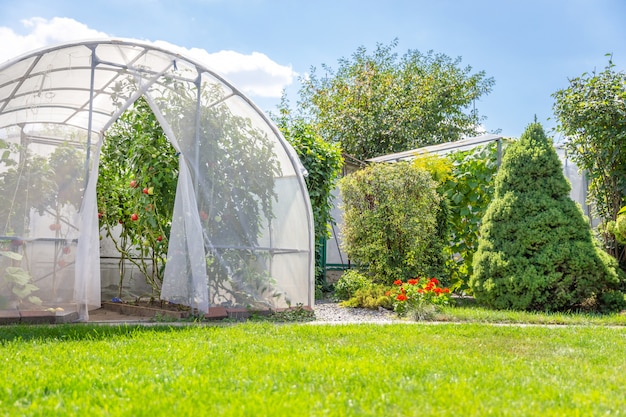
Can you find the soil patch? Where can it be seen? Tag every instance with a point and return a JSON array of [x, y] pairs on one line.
[[149, 308]]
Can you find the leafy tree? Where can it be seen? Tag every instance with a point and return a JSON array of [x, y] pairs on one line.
[[390, 221], [591, 113], [323, 162], [536, 251], [378, 103]]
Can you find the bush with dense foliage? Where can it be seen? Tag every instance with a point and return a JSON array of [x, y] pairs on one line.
[[618, 227], [390, 221], [349, 283], [536, 250], [469, 192], [465, 181], [374, 296]]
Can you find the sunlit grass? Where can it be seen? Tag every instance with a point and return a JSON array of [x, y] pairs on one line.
[[484, 315], [258, 369]]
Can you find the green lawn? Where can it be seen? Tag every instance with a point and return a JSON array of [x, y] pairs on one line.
[[477, 314], [257, 369]]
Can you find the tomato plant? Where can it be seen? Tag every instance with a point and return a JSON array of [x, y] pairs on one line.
[[138, 176]]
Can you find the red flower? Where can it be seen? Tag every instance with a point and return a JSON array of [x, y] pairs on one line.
[[429, 287], [397, 282], [438, 290], [421, 291], [413, 281], [446, 290], [434, 281], [388, 293], [401, 297]]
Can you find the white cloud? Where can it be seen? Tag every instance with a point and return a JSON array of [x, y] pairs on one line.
[[41, 33], [255, 74]]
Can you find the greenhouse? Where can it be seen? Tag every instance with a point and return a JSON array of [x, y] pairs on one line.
[[241, 228]]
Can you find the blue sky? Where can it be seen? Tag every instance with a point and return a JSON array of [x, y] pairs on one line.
[[530, 47]]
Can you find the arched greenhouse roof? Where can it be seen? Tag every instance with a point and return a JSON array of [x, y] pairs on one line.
[[242, 229]]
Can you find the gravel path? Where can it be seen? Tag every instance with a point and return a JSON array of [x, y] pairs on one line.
[[329, 312]]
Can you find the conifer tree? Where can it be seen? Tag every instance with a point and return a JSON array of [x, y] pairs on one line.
[[536, 250]]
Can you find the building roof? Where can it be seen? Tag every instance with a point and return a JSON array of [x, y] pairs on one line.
[[441, 148]]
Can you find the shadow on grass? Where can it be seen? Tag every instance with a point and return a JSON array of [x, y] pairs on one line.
[[77, 332]]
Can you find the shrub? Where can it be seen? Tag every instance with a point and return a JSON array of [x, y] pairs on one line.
[[465, 182], [349, 283], [390, 221], [469, 193], [372, 297], [618, 227], [536, 251]]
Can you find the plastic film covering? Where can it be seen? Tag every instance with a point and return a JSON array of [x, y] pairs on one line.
[[250, 205], [242, 226]]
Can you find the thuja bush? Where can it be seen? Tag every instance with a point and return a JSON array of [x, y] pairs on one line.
[[536, 250], [390, 221]]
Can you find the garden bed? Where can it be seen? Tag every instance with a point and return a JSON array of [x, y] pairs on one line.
[[164, 310], [148, 308]]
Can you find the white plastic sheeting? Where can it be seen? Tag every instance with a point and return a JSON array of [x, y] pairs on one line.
[[242, 229]]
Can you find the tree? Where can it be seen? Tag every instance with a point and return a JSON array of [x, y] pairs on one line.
[[390, 221], [378, 103], [323, 162], [535, 250], [591, 113]]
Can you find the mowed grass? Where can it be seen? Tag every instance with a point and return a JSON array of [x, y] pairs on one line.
[[262, 369], [477, 314]]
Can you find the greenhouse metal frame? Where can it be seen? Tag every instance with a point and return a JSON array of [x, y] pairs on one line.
[[242, 233]]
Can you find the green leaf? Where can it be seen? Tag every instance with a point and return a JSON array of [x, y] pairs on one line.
[[35, 300], [26, 290], [11, 255], [17, 275]]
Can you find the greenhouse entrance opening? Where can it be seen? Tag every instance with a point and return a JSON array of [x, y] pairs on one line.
[[241, 233]]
